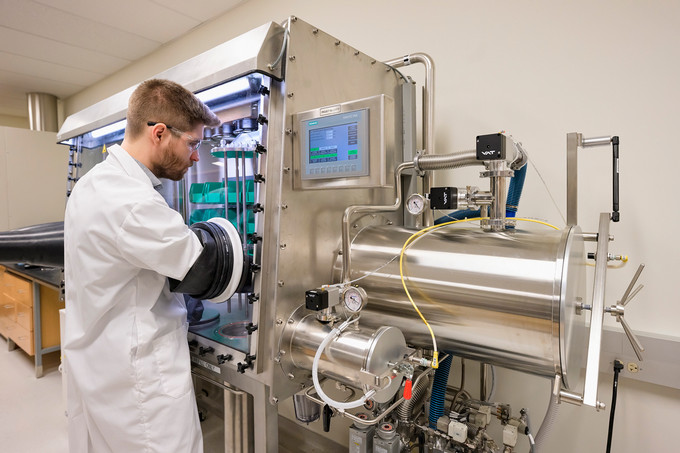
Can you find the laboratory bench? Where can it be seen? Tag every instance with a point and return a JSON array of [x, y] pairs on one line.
[[30, 300]]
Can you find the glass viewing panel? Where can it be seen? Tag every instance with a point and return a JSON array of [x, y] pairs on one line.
[[222, 184]]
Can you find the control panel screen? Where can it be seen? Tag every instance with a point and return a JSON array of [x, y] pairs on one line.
[[335, 146]]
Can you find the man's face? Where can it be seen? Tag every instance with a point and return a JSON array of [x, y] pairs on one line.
[[177, 156]]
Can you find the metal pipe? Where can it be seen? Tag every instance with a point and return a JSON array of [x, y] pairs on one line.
[[428, 114], [595, 141], [42, 112], [350, 211], [483, 374]]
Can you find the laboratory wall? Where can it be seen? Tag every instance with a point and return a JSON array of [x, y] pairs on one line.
[[14, 121], [32, 178], [537, 70]]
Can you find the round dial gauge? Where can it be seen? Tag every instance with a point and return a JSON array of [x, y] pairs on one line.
[[354, 298], [415, 204]]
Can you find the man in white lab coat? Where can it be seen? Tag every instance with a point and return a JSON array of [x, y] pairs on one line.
[[128, 366]]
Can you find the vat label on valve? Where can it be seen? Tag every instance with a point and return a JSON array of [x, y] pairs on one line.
[[207, 365]]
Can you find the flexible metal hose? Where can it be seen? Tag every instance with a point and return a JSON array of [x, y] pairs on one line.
[[548, 422], [405, 409], [431, 162]]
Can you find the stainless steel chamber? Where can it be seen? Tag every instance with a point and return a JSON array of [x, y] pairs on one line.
[[510, 298]]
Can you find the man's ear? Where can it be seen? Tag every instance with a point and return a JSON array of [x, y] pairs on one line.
[[156, 133]]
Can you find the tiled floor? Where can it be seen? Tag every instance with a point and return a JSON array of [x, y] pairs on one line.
[[32, 417]]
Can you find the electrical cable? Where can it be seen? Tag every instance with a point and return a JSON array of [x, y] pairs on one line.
[[435, 354], [462, 384], [548, 190], [418, 234], [530, 435], [618, 366]]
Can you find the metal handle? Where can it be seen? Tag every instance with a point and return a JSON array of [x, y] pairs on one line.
[[618, 311], [615, 179]]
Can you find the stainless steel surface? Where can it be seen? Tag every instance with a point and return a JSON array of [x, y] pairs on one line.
[[506, 299], [250, 52], [42, 112], [351, 355], [597, 314], [302, 229], [233, 407], [352, 210], [595, 141], [296, 438], [573, 142], [428, 113]]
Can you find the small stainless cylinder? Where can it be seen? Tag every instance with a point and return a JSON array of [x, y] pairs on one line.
[[372, 350]]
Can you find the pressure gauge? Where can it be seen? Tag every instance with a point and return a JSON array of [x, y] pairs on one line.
[[354, 298], [415, 204]]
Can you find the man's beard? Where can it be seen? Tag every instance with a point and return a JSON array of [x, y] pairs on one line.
[[170, 167]]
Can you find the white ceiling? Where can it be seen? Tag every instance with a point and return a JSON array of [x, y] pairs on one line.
[[62, 46]]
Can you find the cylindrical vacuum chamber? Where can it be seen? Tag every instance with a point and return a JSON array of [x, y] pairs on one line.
[[355, 351], [504, 298]]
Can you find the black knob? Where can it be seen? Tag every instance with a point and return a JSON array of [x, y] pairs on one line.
[[252, 298], [193, 343], [251, 328], [203, 351], [327, 414], [224, 358]]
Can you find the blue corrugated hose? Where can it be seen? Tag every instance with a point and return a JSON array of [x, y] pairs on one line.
[[514, 194], [438, 398]]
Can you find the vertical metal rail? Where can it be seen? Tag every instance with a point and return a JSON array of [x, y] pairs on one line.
[[573, 142], [597, 315]]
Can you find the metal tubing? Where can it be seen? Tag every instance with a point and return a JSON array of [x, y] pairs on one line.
[[350, 211], [595, 338], [428, 114], [483, 375], [595, 141]]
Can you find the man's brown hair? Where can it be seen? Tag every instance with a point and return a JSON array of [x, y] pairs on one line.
[[164, 101]]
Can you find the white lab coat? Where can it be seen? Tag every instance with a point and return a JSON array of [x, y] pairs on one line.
[[125, 346]]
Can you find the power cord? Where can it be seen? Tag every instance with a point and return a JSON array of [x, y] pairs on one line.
[[618, 366]]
